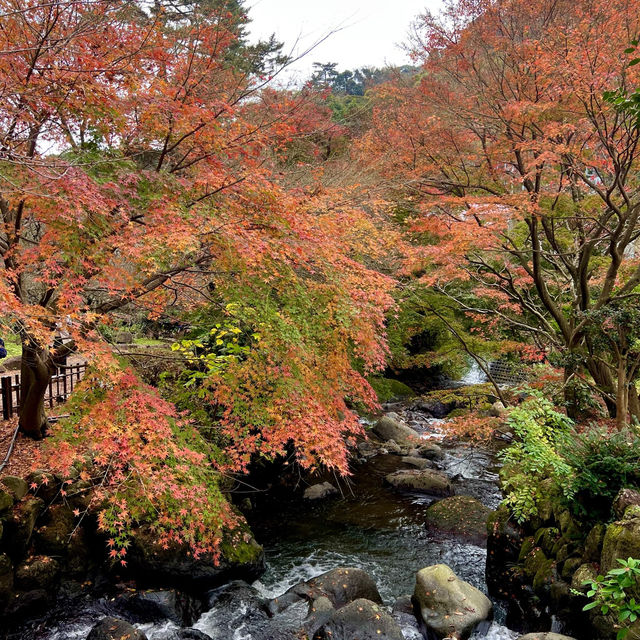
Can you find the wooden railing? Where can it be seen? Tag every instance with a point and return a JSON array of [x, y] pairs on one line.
[[60, 388]]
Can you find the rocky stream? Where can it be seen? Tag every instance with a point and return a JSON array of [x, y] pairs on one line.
[[341, 564]]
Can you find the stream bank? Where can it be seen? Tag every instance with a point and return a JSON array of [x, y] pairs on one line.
[[389, 532]]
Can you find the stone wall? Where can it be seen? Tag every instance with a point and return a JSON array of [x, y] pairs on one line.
[[538, 567]]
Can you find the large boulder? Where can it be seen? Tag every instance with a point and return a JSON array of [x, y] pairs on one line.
[[390, 427], [156, 606], [344, 585], [621, 540], [114, 629], [153, 566], [18, 528], [448, 606], [428, 481], [360, 620], [463, 516], [37, 572], [319, 491], [17, 486], [53, 537], [417, 462]]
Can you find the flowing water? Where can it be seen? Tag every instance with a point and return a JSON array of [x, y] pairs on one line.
[[370, 526]]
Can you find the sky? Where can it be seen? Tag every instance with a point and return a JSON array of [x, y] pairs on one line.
[[368, 32]]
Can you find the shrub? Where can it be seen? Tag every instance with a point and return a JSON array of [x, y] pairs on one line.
[[602, 463], [613, 593], [539, 429]]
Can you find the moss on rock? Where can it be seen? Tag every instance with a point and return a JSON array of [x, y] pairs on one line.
[[388, 389]]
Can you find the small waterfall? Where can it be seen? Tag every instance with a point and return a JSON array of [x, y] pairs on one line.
[[474, 375]]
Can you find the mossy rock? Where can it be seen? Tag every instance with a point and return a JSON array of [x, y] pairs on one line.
[[546, 538], [505, 539], [37, 572], [569, 567], [527, 547], [462, 515], [544, 577], [6, 501], [19, 526], [388, 389], [17, 486], [569, 527], [53, 536], [241, 557], [621, 540], [535, 561], [593, 543], [585, 572]]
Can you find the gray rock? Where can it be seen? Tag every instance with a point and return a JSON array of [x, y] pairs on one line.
[[360, 620], [319, 491], [389, 427], [344, 585], [431, 451], [625, 498], [449, 606], [418, 463], [426, 481], [150, 565], [115, 629], [17, 486], [157, 605], [463, 516]]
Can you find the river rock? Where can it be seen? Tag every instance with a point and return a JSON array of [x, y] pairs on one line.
[[154, 606], [151, 565], [367, 449], [390, 427], [426, 481], [461, 515], [360, 620], [344, 585], [449, 606], [431, 451], [115, 629], [319, 491], [545, 636], [418, 463], [403, 613], [320, 612]]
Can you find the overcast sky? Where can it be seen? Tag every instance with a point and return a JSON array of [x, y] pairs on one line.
[[369, 32]]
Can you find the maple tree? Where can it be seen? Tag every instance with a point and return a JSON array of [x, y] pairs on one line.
[[142, 169], [524, 178]]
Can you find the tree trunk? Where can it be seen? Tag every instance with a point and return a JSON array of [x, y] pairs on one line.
[[622, 394], [634, 401], [570, 399], [35, 373], [604, 381]]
